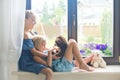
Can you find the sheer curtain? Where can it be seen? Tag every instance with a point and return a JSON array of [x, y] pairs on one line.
[[11, 35]]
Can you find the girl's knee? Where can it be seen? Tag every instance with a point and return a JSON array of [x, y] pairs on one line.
[[72, 41], [47, 71], [50, 71]]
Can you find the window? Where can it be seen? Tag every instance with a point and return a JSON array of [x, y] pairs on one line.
[[51, 18], [73, 27], [70, 18], [95, 26]]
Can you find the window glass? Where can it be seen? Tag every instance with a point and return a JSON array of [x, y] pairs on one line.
[[95, 27], [51, 18]]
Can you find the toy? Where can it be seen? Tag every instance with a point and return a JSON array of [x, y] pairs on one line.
[[98, 61]]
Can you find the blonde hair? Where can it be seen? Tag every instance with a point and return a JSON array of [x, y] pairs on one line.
[[38, 39]]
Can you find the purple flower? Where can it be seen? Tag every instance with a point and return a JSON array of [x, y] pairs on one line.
[[101, 46], [98, 46], [91, 46], [82, 51], [85, 48]]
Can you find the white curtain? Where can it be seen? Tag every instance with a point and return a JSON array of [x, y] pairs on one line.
[[11, 35]]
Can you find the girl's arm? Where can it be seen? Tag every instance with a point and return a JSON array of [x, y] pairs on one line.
[[40, 54], [40, 60], [47, 62], [27, 35], [37, 53]]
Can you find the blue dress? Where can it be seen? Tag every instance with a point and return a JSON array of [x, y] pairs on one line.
[[26, 62], [62, 65]]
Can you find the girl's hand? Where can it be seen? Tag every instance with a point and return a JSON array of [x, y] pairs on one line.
[[55, 57], [51, 50]]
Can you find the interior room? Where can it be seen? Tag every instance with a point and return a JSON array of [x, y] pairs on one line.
[[93, 24]]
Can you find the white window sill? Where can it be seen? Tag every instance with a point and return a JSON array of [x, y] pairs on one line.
[[111, 72]]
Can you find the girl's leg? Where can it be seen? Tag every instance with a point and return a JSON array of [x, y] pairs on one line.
[[73, 50], [48, 72], [69, 52], [89, 58], [40, 60], [86, 60]]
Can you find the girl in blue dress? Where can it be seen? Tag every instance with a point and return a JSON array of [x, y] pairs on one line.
[[68, 51], [40, 44], [26, 61]]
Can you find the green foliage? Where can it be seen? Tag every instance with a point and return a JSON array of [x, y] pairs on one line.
[[88, 51], [106, 26], [90, 39], [57, 13], [107, 52], [45, 13]]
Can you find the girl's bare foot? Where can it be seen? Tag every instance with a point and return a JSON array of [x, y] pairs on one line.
[[76, 63], [86, 67], [77, 69]]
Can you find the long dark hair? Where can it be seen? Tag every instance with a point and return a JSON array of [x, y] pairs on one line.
[[62, 44]]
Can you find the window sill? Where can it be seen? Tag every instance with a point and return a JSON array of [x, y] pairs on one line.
[[111, 72]]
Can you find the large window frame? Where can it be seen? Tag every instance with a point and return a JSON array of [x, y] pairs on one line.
[[72, 27]]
